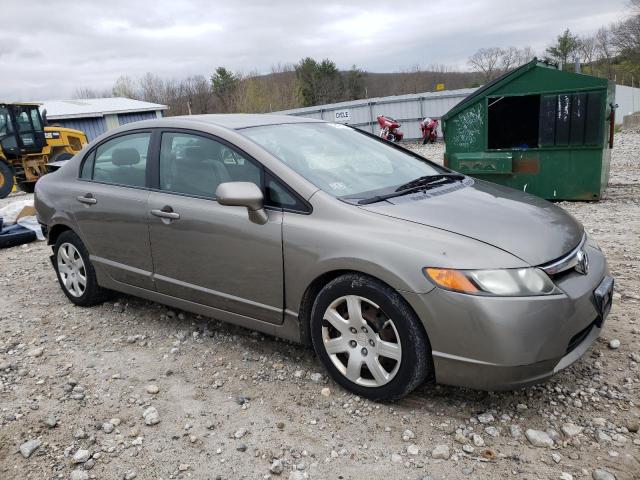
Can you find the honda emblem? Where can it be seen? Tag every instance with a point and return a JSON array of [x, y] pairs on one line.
[[583, 262]]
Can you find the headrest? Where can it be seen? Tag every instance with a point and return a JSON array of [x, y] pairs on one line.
[[194, 153], [125, 156]]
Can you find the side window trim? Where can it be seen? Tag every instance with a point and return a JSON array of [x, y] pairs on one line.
[[92, 152], [306, 210]]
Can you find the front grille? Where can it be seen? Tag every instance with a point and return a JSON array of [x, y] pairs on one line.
[[579, 337], [565, 263]]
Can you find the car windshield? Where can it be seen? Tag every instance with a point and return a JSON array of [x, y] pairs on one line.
[[340, 160]]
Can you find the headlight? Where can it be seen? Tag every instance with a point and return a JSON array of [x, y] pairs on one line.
[[517, 282]]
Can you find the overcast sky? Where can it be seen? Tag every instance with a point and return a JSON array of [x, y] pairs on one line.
[[50, 47]]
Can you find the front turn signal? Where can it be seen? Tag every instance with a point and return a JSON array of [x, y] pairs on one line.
[[451, 279]]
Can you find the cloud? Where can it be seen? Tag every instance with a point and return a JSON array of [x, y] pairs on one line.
[[50, 48]]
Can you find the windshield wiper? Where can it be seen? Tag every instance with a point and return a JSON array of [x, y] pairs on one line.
[[429, 180], [421, 183]]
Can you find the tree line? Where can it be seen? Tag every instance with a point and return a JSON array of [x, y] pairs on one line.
[[612, 52], [309, 82]]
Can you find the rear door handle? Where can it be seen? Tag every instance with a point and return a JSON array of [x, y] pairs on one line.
[[87, 199], [166, 212]]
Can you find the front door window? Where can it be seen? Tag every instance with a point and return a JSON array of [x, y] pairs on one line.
[[196, 165]]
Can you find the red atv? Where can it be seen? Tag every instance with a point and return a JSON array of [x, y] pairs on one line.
[[429, 129], [389, 129]]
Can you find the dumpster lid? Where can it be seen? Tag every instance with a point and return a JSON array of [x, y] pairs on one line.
[[495, 84]]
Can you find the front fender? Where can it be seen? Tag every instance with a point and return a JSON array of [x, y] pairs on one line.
[[392, 250]]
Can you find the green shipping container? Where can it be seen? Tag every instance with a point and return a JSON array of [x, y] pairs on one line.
[[537, 129]]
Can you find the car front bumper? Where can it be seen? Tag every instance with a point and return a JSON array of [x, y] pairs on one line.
[[500, 343]]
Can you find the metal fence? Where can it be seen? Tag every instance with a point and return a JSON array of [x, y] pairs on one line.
[[409, 110]]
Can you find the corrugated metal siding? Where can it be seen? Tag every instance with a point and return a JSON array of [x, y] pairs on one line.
[[93, 127], [125, 118], [628, 100], [409, 110]]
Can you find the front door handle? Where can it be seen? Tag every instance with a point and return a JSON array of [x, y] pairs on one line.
[[166, 212], [87, 199]]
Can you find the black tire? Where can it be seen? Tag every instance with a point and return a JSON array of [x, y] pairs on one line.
[[93, 293], [6, 179], [27, 187], [416, 363]]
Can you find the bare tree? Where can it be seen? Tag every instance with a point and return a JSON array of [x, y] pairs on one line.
[[509, 58], [625, 35], [196, 92], [153, 88], [493, 62], [125, 87], [86, 92], [625, 38], [487, 62], [525, 54], [587, 47]]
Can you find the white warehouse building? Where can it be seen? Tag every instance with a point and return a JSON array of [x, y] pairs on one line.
[[409, 110], [94, 116]]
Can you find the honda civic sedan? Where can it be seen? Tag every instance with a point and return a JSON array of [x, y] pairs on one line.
[[395, 269]]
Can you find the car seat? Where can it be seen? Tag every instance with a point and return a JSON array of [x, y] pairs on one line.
[[199, 171], [127, 173]]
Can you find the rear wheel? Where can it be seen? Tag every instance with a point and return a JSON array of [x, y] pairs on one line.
[[75, 272], [6, 179], [369, 339]]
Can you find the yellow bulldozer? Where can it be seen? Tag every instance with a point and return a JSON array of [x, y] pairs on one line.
[[27, 146]]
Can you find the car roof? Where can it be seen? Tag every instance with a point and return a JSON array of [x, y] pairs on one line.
[[236, 121]]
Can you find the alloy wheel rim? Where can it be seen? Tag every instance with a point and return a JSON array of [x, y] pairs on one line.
[[361, 341], [72, 270], [1, 179]]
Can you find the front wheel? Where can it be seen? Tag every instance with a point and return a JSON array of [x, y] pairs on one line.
[[75, 272], [6, 179], [369, 339]]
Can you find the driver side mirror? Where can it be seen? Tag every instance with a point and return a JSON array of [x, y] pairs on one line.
[[243, 194]]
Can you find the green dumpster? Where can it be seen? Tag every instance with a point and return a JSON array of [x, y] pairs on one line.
[[537, 129]]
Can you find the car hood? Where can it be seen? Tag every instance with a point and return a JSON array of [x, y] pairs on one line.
[[526, 226]]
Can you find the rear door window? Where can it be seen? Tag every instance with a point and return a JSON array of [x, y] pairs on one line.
[[120, 161]]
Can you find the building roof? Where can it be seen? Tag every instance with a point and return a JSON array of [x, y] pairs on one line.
[[96, 107]]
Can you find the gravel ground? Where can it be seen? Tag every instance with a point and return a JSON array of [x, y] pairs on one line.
[[131, 389]]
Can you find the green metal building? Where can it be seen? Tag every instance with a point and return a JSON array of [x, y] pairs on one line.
[[537, 129]]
